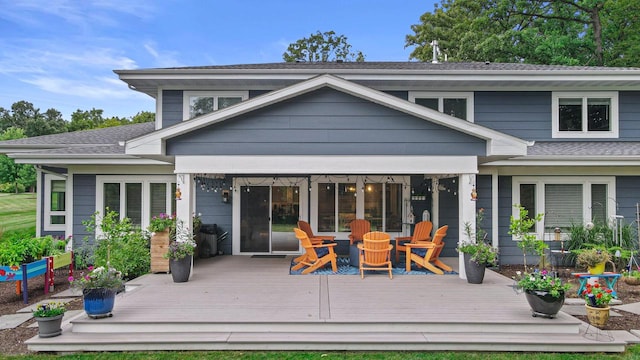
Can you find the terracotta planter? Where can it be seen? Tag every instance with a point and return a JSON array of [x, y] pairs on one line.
[[597, 317], [543, 304], [49, 326]]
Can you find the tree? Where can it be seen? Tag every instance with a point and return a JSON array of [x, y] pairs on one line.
[[143, 117], [84, 120], [323, 47], [13, 173], [25, 116], [567, 32]]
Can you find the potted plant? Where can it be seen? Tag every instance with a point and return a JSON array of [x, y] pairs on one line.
[[160, 228], [523, 228], [544, 292], [477, 253], [49, 317], [631, 277], [180, 253], [594, 260], [99, 288], [597, 300]]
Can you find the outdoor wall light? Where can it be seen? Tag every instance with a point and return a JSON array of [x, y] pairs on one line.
[[225, 196]]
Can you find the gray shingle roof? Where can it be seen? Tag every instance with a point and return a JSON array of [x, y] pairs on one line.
[[584, 148], [387, 65], [110, 135]]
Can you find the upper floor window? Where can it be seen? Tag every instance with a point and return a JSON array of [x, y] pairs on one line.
[[456, 104], [585, 114], [55, 203], [196, 103]]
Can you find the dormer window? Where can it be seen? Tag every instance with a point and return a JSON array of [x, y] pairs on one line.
[[585, 115], [198, 103], [456, 104]]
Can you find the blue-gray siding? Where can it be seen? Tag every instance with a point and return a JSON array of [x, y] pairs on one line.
[[629, 102], [449, 215], [526, 115], [509, 251], [628, 197], [326, 122], [214, 211], [483, 188], [171, 107], [84, 205]]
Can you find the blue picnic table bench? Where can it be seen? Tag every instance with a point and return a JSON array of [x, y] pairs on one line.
[[609, 277]]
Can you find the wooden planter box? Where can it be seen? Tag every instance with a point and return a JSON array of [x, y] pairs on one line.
[[159, 247]]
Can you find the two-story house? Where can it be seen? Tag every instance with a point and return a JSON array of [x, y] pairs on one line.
[[254, 148]]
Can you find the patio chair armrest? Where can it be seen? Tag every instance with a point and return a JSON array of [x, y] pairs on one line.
[[324, 245], [422, 245], [403, 238]]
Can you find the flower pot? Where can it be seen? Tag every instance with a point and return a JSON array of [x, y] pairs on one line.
[[597, 317], [49, 326], [159, 246], [181, 269], [543, 304], [98, 303], [597, 269], [631, 280], [473, 270]]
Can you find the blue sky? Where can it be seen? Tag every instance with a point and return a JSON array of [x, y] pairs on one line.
[[61, 53]]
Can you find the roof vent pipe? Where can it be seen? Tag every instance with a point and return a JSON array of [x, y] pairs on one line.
[[436, 51]]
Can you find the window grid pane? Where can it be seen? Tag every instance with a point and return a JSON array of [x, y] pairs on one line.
[[599, 203], [224, 102], [346, 205], [456, 108], [111, 197], [528, 200], [133, 211], [158, 194], [200, 105], [598, 114], [429, 103], [570, 115], [393, 208], [563, 206], [373, 205], [58, 195], [326, 207]]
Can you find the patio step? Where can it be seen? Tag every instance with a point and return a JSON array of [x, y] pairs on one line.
[[342, 341], [563, 324]]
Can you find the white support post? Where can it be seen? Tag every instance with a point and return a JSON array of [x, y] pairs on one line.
[[184, 205], [435, 203], [467, 213]]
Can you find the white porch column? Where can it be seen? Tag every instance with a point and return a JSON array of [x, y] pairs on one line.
[[467, 213], [435, 203], [184, 205]]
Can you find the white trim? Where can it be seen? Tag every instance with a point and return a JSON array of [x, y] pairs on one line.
[[47, 225], [159, 101], [468, 95], [145, 180], [495, 234], [612, 133], [69, 228], [497, 143], [316, 164], [39, 191], [186, 97], [540, 181]]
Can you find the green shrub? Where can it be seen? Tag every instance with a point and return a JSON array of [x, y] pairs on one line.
[[602, 236], [120, 245], [11, 188]]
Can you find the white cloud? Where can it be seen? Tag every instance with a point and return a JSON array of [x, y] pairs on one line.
[[164, 58], [92, 88]]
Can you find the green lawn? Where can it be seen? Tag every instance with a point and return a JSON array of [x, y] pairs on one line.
[[17, 211]]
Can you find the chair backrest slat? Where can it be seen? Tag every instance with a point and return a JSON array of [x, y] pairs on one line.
[[376, 247], [422, 231]]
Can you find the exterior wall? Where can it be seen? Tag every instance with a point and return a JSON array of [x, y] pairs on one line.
[[43, 232], [526, 115], [629, 102], [483, 187], [628, 196], [326, 122], [214, 211], [84, 205], [509, 251], [171, 107], [449, 216]]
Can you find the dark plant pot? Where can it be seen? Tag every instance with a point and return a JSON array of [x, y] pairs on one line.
[[543, 304], [473, 270], [98, 303], [180, 269], [49, 326]]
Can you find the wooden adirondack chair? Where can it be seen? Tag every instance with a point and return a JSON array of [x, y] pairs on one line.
[[316, 256], [358, 227], [421, 232], [425, 254], [375, 252], [315, 239]]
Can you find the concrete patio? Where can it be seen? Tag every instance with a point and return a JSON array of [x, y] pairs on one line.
[[244, 303]]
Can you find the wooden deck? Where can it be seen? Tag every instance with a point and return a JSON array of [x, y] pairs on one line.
[[237, 302]]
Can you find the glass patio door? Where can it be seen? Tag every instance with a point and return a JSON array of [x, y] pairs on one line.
[[268, 215]]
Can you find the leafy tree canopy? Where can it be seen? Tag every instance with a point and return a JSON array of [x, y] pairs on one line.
[[564, 32], [323, 47]]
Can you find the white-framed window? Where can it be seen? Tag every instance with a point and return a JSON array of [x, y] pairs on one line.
[[341, 199], [565, 201], [54, 202], [585, 114], [456, 104], [196, 103], [137, 197]]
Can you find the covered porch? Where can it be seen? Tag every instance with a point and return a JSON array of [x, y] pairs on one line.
[[247, 303]]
